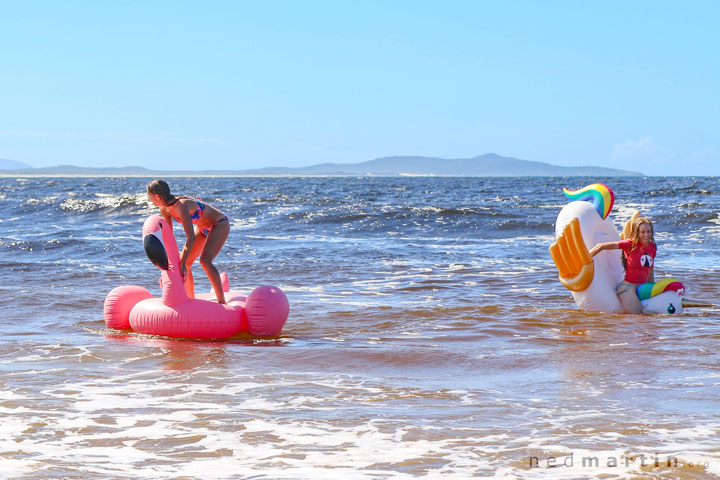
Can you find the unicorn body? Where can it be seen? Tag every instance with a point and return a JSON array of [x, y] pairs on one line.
[[593, 281]]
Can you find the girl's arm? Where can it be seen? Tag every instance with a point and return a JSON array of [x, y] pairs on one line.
[[604, 246], [189, 234], [166, 215], [651, 277]]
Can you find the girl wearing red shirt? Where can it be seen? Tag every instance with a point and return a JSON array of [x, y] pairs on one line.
[[638, 259]]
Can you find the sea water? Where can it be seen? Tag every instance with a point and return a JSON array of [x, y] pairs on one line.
[[428, 337]]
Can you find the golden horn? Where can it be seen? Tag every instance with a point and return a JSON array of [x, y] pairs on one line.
[[689, 302]]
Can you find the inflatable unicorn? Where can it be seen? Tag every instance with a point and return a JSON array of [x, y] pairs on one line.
[[261, 313], [582, 224]]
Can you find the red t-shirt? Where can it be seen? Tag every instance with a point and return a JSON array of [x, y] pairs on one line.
[[639, 261]]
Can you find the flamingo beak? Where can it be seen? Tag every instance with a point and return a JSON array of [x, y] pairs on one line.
[[155, 249]]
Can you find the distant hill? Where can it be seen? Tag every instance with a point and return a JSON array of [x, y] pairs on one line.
[[6, 164], [488, 165], [483, 166]]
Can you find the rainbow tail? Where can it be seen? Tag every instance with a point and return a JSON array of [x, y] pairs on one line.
[[600, 195]]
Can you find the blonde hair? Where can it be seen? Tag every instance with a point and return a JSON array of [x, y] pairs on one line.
[[634, 236], [635, 230]]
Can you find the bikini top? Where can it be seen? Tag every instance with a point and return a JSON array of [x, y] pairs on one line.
[[197, 214]]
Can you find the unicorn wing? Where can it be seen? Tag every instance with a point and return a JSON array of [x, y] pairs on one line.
[[572, 259]]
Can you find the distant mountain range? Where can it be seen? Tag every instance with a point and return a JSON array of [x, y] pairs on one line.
[[488, 165], [6, 164]]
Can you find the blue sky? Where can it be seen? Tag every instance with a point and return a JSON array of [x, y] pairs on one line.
[[215, 84]]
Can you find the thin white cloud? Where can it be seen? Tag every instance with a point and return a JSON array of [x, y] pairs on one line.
[[646, 156], [650, 158], [633, 149]]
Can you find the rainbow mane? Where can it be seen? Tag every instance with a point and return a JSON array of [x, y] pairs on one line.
[[649, 290], [600, 195]]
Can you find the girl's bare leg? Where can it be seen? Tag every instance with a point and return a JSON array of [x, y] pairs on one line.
[[628, 298], [194, 253], [213, 243]]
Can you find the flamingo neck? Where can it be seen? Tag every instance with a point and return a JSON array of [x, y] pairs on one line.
[[173, 287]]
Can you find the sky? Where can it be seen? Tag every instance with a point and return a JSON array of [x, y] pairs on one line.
[[250, 84]]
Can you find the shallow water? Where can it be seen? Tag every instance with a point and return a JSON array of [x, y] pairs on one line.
[[428, 337]]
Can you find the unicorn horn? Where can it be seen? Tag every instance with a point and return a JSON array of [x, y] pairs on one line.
[[689, 302]]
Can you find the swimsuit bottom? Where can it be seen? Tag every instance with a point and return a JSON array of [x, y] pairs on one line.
[[206, 231]]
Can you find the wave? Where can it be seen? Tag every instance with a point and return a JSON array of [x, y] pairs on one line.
[[112, 203]]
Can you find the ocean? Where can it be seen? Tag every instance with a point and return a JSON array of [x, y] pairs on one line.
[[428, 336]]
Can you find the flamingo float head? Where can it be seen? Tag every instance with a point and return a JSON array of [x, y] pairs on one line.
[[161, 248], [155, 246]]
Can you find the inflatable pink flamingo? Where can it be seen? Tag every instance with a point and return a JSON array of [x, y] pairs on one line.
[[261, 313]]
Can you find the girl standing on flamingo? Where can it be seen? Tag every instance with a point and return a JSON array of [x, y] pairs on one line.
[[206, 229]]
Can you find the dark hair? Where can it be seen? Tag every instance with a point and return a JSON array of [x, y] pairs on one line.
[[162, 189]]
